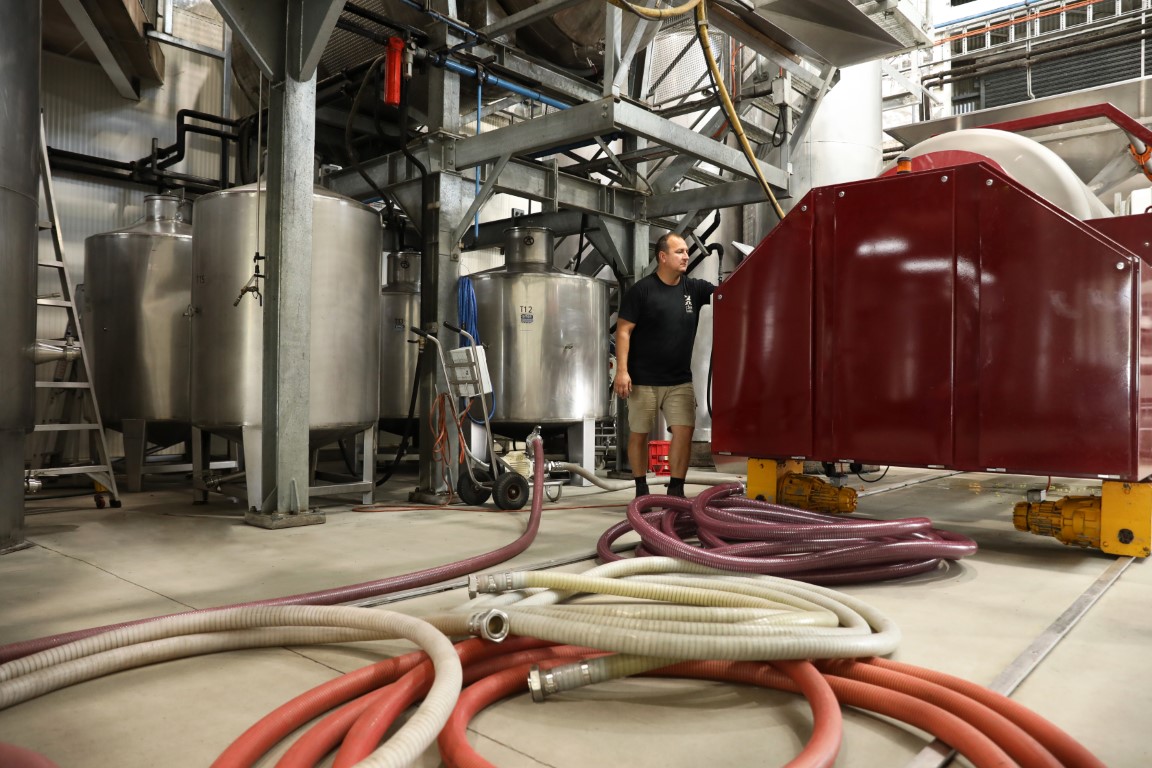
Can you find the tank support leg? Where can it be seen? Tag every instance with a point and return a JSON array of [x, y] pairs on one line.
[[134, 444], [582, 448], [201, 458], [253, 445], [368, 465]]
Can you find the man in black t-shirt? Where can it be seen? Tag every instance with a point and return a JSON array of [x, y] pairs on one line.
[[655, 330]]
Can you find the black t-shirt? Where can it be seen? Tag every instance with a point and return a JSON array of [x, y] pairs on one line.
[[666, 316]]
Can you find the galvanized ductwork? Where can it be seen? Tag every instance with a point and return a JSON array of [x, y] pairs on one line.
[[20, 129]]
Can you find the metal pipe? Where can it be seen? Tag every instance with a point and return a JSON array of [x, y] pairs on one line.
[[440, 60]]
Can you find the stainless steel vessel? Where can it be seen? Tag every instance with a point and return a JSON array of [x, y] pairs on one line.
[[138, 286], [399, 311], [20, 129], [547, 337], [227, 336]]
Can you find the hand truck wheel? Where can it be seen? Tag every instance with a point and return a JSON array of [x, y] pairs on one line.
[[510, 491], [469, 492]]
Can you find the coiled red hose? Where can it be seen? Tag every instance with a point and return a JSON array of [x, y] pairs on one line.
[[1067, 750], [819, 752], [749, 536], [12, 756], [337, 595]]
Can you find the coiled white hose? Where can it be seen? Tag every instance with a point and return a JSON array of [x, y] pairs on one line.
[[183, 635], [719, 616]]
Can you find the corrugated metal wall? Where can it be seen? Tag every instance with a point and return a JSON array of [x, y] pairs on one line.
[[84, 113]]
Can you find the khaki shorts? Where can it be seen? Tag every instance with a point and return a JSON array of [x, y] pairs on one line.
[[678, 404]]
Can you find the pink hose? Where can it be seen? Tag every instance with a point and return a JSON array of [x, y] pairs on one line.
[[337, 594], [749, 536], [12, 756]]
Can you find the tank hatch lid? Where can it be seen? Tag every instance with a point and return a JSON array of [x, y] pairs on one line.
[[837, 32]]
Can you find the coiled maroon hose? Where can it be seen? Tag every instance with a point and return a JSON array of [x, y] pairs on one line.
[[750, 536], [336, 595]]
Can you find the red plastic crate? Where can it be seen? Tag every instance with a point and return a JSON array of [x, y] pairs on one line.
[[658, 457]]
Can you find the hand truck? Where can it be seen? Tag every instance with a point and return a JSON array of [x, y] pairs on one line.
[[466, 371]]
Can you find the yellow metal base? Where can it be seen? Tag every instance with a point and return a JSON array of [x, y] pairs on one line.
[[1118, 522], [764, 477], [1126, 519], [784, 482]]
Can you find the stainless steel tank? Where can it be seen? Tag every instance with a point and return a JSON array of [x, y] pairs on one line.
[[227, 336], [138, 286], [399, 311], [546, 334], [19, 175]]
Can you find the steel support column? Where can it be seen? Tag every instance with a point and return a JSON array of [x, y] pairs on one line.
[[287, 308], [445, 197]]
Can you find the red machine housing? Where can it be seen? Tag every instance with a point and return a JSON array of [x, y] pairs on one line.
[[947, 318]]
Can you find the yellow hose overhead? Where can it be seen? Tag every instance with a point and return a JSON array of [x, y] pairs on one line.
[[729, 107], [658, 13]]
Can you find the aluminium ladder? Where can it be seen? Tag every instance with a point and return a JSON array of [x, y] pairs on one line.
[[71, 406]]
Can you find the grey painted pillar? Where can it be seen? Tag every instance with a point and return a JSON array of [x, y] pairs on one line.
[[440, 268], [287, 304], [286, 39], [451, 197], [19, 174]]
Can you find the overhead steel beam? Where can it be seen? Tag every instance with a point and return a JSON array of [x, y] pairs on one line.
[[521, 178], [704, 198], [733, 25], [562, 224], [122, 80], [543, 77], [308, 32], [528, 16], [599, 119], [282, 36], [639, 121], [558, 129]]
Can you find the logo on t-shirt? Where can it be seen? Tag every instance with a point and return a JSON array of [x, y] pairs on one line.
[[687, 304]]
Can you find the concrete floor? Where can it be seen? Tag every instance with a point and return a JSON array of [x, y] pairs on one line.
[[160, 554]]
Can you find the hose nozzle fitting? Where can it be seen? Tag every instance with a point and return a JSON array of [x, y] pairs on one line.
[[541, 684], [566, 677], [492, 625], [489, 583]]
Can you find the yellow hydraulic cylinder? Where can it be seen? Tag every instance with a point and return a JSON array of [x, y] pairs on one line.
[[1118, 522], [808, 492], [784, 482], [1074, 520]]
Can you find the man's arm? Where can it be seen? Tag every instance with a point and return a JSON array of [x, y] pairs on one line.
[[623, 382]]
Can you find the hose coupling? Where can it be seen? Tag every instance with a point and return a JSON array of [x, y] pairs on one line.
[[492, 625], [489, 583], [565, 677], [541, 683]]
